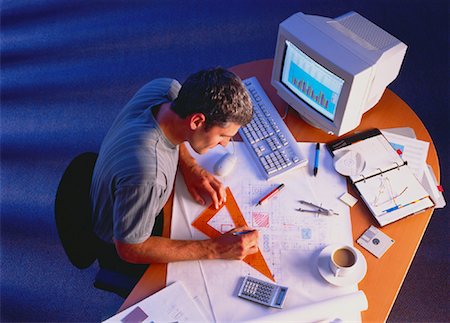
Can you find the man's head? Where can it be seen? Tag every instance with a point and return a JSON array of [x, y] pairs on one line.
[[216, 104], [218, 94]]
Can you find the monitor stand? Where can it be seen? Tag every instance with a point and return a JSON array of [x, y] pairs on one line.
[[312, 123]]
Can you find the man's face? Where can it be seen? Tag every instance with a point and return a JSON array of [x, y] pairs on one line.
[[202, 140]]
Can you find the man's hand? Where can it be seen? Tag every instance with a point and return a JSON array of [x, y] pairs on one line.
[[199, 181], [237, 247]]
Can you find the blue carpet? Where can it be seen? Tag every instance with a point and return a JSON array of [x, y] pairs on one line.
[[68, 67]]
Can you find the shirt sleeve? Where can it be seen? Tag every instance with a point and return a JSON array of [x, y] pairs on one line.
[[156, 89], [135, 210]]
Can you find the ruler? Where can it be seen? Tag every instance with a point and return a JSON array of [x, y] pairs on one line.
[[255, 260]]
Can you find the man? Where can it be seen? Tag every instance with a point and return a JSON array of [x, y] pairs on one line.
[[138, 160]]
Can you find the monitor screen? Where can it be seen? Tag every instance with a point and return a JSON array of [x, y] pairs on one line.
[[310, 81]]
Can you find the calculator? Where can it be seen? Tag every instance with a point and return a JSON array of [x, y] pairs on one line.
[[262, 292]]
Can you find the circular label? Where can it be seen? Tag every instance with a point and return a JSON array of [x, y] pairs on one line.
[[349, 163]]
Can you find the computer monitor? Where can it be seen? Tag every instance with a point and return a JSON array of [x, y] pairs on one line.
[[331, 71]]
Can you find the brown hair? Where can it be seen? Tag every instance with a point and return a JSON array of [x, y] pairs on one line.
[[217, 93]]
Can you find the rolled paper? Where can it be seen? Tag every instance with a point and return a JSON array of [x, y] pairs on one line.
[[330, 309]]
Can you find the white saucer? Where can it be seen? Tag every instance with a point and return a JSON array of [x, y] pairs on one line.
[[325, 270]]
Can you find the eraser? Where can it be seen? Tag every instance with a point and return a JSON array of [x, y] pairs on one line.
[[348, 199]]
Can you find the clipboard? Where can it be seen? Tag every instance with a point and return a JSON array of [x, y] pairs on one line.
[[255, 260], [386, 184]]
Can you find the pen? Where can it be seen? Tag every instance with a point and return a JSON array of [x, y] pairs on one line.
[[396, 207], [316, 159], [271, 194], [242, 232]]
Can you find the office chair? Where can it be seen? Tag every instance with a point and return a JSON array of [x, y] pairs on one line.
[[73, 214]]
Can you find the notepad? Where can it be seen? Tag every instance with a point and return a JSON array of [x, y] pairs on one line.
[[386, 184]]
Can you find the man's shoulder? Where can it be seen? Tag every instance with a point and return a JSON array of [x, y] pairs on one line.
[[154, 93], [164, 86]]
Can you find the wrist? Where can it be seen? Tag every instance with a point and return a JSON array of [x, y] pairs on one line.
[[190, 170], [188, 163], [209, 247], [185, 156]]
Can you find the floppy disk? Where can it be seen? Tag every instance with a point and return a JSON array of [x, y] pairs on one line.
[[375, 241]]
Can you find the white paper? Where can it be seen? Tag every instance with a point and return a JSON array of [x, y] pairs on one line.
[[171, 304], [402, 131], [415, 152], [289, 240], [430, 184], [329, 310], [412, 150], [188, 272]]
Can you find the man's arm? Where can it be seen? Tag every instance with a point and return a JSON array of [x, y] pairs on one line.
[[199, 181], [164, 250]]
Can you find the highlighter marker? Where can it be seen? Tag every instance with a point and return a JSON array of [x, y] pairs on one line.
[[316, 159]]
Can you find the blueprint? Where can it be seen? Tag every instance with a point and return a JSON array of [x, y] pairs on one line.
[[289, 240]]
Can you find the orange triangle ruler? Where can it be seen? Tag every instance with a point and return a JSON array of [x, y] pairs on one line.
[[255, 260]]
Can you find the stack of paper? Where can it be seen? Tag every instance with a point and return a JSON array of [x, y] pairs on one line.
[[415, 152], [171, 304]]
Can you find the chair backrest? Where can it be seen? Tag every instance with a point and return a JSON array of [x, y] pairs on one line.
[[73, 211]]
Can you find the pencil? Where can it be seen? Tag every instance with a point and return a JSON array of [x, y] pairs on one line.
[[271, 194]]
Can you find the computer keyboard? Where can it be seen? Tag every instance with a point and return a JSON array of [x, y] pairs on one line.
[[268, 138]]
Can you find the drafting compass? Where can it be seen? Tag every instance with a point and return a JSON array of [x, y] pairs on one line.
[[319, 209]]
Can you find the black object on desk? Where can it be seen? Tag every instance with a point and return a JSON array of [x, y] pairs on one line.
[[316, 159]]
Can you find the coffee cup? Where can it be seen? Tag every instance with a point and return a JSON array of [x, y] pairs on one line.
[[343, 260]]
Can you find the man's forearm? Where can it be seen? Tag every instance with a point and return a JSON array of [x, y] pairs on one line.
[[186, 161], [163, 250]]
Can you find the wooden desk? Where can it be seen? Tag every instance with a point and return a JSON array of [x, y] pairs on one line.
[[384, 276]]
